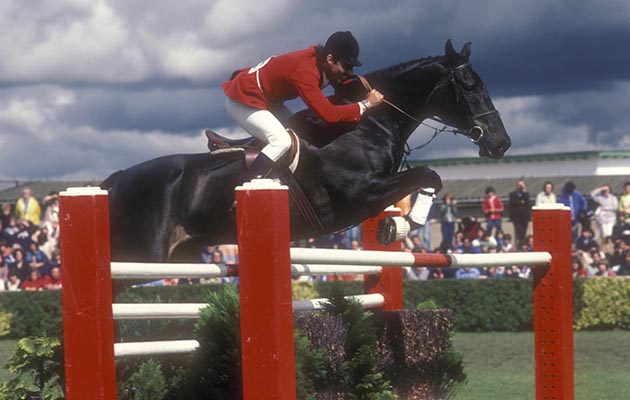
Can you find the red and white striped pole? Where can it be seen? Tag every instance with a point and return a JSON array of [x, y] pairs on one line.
[[553, 304], [268, 355], [389, 281], [88, 325]]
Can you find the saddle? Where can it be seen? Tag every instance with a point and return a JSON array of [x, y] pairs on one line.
[[284, 168], [252, 146]]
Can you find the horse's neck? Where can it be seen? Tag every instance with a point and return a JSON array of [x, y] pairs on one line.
[[410, 93]]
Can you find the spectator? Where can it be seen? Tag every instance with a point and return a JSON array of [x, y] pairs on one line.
[[11, 230], [18, 265], [37, 260], [4, 275], [230, 253], [624, 200], [483, 240], [27, 207], [621, 230], [585, 241], [418, 273], [467, 247], [603, 270], [437, 273], [520, 211], [14, 282], [52, 281], [606, 213], [511, 272], [33, 283], [448, 216], [546, 196], [468, 228], [5, 214], [507, 246], [23, 237], [578, 268], [624, 267], [51, 208], [493, 210], [577, 203], [467, 273]]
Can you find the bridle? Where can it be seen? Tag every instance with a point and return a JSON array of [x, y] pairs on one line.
[[475, 133], [460, 97]]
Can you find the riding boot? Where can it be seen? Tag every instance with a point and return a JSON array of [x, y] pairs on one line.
[[260, 168]]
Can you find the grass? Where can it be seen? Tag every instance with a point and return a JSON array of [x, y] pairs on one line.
[[6, 350], [501, 365]]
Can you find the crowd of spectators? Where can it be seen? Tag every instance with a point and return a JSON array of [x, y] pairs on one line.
[[603, 251], [29, 237], [29, 244]]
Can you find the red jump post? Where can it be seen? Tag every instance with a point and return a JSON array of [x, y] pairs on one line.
[[268, 354], [88, 325], [553, 304]]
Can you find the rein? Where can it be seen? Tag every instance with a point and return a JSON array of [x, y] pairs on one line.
[[449, 78]]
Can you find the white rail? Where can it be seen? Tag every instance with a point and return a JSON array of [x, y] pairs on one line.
[[145, 311], [133, 349]]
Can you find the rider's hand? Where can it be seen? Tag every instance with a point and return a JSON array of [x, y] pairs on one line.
[[374, 97]]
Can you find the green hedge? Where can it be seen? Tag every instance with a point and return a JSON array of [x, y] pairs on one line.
[[478, 305]]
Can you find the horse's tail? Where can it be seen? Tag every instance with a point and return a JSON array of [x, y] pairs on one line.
[[109, 181]]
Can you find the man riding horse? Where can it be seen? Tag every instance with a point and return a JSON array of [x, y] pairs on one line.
[[255, 95], [255, 99], [165, 208]]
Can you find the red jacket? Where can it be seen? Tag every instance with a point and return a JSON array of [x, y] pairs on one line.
[[492, 207], [286, 77]]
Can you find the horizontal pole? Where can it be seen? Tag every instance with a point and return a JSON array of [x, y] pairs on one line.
[[145, 311], [402, 259], [331, 269], [153, 271], [124, 311], [137, 349], [366, 300]]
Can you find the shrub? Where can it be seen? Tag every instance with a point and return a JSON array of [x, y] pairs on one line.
[[606, 304], [38, 364], [147, 383]]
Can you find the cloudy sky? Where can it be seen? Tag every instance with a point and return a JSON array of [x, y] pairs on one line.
[[88, 87]]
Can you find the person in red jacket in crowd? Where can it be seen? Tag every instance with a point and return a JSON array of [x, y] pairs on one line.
[[493, 209], [255, 95]]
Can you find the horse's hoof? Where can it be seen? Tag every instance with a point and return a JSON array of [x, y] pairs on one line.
[[386, 231]]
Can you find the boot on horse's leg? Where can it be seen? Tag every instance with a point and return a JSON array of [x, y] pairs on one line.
[[392, 229]]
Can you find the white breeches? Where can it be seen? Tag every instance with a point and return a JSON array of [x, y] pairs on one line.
[[263, 125]]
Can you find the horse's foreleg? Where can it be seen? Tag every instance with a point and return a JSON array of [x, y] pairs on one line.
[[388, 191]]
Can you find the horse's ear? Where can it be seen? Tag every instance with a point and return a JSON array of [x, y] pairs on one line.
[[465, 53], [450, 52]]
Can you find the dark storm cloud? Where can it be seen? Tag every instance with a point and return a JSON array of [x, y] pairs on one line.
[[103, 85], [182, 110]]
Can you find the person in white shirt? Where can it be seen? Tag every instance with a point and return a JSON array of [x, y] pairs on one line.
[[547, 196]]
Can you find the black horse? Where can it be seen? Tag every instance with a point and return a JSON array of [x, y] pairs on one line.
[[182, 201]]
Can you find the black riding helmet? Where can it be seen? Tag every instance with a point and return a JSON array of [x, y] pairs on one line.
[[343, 46]]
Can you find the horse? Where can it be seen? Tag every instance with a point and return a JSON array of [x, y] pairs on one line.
[[167, 208]]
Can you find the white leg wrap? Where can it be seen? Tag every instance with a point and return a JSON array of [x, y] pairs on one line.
[[402, 227], [420, 210]]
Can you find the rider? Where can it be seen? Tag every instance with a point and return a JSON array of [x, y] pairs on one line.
[[254, 94]]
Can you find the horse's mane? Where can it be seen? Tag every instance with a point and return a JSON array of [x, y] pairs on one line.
[[404, 66]]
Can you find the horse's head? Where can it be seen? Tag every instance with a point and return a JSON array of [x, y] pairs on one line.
[[460, 99]]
